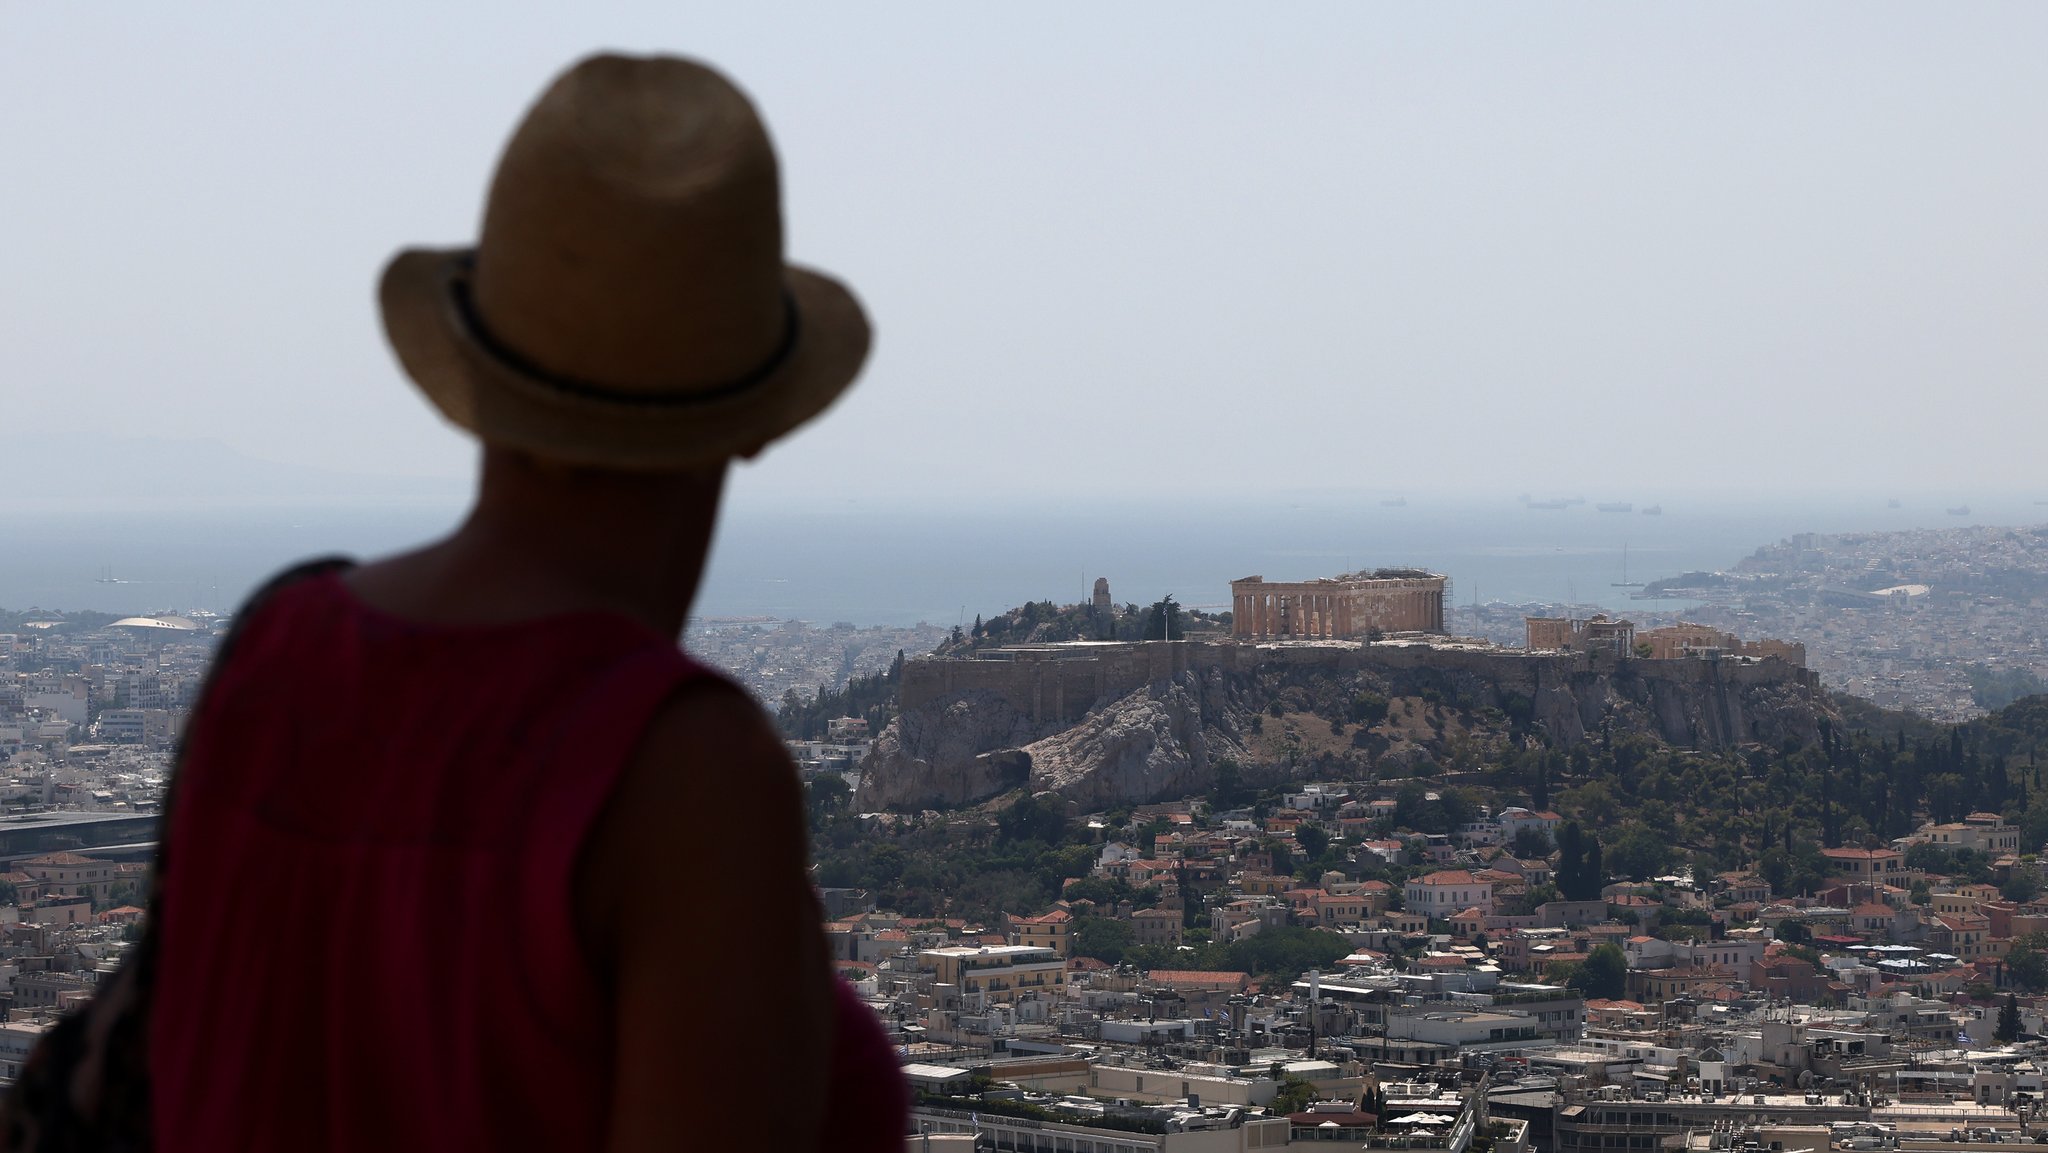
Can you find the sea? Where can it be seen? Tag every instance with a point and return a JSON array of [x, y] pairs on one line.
[[901, 564]]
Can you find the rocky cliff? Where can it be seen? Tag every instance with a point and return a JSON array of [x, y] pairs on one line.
[[948, 753], [1313, 713], [1692, 705], [1152, 743]]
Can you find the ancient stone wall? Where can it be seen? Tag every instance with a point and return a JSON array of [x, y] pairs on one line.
[[1061, 683], [1049, 683]]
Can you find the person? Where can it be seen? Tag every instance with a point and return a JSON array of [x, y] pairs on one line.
[[463, 852]]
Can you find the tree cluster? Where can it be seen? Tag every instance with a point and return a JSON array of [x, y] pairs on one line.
[[2008, 1021], [978, 870], [1296, 1094], [1580, 874], [2026, 963], [1374, 1101], [872, 698], [1995, 688], [1163, 623], [1044, 622], [1870, 778], [1603, 974]]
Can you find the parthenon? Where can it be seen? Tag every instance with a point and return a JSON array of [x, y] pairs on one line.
[[1342, 607]]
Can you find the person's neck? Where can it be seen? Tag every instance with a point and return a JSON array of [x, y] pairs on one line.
[[543, 540], [635, 566]]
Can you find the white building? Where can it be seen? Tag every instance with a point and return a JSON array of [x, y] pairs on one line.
[[1447, 891]]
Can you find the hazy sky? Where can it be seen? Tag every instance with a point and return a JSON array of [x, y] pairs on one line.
[[1113, 249]]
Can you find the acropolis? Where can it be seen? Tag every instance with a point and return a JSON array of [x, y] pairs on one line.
[[1343, 607]]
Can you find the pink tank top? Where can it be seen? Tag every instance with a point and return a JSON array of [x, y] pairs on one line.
[[367, 937]]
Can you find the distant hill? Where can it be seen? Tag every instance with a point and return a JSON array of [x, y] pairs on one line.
[[1665, 768], [1131, 724]]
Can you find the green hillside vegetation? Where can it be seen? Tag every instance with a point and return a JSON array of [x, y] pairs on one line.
[[977, 865], [1656, 809], [1043, 622], [802, 717], [1775, 809], [1441, 745], [871, 697], [1994, 688]]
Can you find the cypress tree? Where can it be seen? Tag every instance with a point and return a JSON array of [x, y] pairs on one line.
[[1571, 863], [2008, 1020]]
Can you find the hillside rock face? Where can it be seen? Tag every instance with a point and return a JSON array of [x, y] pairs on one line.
[[954, 752], [1701, 704], [974, 745], [1149, 744], [1162, 739], [1710, 712]]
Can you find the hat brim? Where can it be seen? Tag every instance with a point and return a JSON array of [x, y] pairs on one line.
[[507, 404]]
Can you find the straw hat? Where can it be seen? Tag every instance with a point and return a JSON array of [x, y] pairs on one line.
[[627, 305]]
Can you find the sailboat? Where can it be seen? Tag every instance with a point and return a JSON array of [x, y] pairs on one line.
[[1624, 582]]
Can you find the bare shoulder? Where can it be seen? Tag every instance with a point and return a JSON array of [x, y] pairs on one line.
[[703, 843], [709, 792], [711, 739]]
